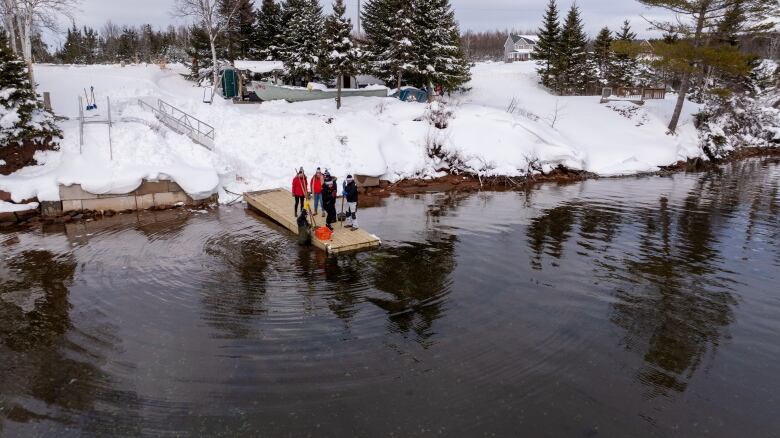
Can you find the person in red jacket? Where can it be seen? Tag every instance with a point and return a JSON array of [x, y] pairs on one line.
[[316, 189], [299, 190]]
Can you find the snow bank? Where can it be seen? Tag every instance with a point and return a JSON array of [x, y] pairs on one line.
[[7, 207], [259, 146], [614, 139], [140, 148]]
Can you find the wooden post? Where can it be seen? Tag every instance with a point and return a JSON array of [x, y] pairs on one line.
[[81, 123], [47, 101], [110, 146]]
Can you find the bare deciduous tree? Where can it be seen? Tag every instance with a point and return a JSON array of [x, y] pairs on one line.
[[207, 13], [21, 18]]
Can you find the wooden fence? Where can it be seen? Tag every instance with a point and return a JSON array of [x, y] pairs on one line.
[[632, 94]]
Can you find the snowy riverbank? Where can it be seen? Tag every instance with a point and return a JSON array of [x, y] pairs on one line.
[[258, 146]]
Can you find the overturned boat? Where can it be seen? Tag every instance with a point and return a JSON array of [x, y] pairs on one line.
[[266, 90]]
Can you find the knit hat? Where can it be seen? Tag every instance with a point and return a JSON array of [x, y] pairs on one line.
[[349, 177]]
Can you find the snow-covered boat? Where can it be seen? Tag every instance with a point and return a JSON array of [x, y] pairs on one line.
[[269, 91]]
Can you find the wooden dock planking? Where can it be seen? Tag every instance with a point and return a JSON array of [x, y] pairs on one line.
[[278, 204]]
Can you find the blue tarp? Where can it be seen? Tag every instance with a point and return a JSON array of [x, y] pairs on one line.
[[413, 95]]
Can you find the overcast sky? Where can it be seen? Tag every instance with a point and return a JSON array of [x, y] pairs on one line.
[[472, 14]]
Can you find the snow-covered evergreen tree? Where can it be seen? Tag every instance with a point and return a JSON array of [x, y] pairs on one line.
[[22, 117], [546, 50], [436, 44], [747, 118], [340, 56], [268, 31], [302, 37], [625, 68], [603, 55], [572, 66], [198, 52], [389, 29], [239, 28]]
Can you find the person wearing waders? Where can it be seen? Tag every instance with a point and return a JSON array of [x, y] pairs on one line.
[[304, 229], [329, 195], [350, 193], [315, 187], [299, 190]]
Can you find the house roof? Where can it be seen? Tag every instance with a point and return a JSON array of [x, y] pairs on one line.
[[528, 39]]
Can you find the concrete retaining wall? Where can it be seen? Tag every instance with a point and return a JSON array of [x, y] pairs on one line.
[[150, 194]]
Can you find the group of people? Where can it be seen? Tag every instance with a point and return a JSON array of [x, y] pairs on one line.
[[322, 188]]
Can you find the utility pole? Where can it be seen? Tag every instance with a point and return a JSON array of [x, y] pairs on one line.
[[358, 18]]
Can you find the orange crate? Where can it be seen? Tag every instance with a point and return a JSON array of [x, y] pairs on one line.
[[323, 233]]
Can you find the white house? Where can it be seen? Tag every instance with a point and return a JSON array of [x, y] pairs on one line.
[[519, 47]]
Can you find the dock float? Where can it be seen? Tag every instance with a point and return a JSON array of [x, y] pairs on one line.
[[278, 204]]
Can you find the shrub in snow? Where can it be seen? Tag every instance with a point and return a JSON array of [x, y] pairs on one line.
[[738, 121], [438, 114], [24, 125]]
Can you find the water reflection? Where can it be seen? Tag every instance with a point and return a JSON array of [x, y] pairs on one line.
[[673, 287], [560, 309], [37, 342], [416, 280]]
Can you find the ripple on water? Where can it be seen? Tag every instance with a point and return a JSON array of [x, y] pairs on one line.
[[554, 308]]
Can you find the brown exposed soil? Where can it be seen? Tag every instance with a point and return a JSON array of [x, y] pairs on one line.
[[469, 183], [18, 155], [697, 164]]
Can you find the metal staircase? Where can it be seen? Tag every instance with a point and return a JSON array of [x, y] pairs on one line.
[[177, 120]]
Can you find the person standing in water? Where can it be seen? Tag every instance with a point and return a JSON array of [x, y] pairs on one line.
[[315, 187], [351, 195], [299, 190]]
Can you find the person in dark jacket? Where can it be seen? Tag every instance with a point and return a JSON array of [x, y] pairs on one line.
[[329, 195], [351, 195], [304, 229]]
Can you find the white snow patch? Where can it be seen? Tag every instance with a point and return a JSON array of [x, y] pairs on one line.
[[8, 207], [263, 144]]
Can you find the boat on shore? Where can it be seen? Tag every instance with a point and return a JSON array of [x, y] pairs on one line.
[[266, 90]]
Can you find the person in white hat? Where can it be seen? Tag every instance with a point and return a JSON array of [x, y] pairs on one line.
[[351, 196]]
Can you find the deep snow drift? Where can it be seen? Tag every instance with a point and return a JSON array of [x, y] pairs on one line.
[[259, 146]]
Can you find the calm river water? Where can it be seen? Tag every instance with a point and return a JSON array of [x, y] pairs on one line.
[[626, 307]]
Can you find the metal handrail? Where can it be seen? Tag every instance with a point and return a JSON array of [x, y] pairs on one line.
[[176, 119], [186, 120]]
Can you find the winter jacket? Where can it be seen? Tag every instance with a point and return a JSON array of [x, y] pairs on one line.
[[299, 185], [351, 192], [329, 194], [316, 184]]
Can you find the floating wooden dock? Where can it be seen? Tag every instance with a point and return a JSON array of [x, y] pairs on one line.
[[278, 204]]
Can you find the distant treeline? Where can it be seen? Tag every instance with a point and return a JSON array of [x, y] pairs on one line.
[[114, 43]]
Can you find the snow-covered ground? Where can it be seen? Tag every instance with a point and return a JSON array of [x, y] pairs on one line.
[[259, 146]]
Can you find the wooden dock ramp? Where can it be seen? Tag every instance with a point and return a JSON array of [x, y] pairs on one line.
[[278, 204]]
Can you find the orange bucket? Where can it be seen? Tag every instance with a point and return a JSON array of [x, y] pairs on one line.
[[323, 233]]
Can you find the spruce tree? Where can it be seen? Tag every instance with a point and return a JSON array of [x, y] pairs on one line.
[[385, 24], [198, 52], [238, 34], [626, 66], [72, 50], [546, 50], [436, 44], [22, 117], [572, 66], [603, 54], [267, 38], [302, 37], [340, 56]]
